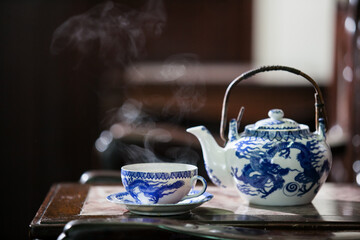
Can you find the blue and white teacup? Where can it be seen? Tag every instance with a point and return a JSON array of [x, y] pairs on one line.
[[161, 183]]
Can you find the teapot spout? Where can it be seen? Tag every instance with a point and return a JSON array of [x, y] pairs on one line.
[[214, 157]]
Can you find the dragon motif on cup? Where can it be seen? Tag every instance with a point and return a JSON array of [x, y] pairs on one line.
[[152, 190]]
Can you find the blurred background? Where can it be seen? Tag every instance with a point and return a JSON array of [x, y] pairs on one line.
[[91, 84]]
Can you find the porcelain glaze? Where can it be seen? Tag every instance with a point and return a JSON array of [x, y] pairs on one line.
[[181, 207], [160, 183], [275, 161]]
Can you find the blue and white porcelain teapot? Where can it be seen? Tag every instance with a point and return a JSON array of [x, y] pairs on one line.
[[275, 161]]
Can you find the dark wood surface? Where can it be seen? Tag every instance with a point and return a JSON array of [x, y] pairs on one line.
[[336, 208]]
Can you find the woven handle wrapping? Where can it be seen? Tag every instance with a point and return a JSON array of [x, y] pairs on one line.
[[319, 100]]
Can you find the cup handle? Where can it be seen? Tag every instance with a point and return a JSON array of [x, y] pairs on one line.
[[193, 181]]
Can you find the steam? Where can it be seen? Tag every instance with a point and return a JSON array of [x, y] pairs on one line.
[[187, 98], [115, 32], [134, 125], [117, 35]]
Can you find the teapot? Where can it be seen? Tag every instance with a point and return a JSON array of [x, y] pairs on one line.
[[274, 162]]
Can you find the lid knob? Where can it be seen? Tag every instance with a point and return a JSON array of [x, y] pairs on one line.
[[276, 114]]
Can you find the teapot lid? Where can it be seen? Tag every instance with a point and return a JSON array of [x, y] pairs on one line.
[[276, 126], [276, 121]]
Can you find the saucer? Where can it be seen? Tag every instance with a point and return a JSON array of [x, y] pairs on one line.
[[181, 207]]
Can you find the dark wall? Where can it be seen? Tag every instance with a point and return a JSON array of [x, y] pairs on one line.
[[48, 108], [49, 104]]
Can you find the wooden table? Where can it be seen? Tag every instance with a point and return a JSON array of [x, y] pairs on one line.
[[333, 214]]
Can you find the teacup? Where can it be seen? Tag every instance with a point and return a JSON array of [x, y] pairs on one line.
[[161, 183]]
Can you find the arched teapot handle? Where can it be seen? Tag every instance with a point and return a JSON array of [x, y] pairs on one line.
[[319, 100]]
